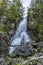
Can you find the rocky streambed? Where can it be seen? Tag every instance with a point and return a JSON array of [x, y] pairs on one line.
[[37, 59], [29, 54]]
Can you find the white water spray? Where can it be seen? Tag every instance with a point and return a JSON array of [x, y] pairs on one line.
[[21, 32]]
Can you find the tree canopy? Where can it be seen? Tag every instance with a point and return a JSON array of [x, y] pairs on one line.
[[10, 12], [35, 17]]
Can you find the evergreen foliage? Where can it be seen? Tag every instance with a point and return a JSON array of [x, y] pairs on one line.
[[35, 18], [10, 12]]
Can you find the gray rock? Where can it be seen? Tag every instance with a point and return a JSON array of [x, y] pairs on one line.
[[24, 50], [40, 44], [3, 61], [41, 62]]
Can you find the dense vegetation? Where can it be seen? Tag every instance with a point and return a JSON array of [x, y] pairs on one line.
[[35, 19], [10, 13]]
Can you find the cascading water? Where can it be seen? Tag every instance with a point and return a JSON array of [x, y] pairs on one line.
[[21, 33]]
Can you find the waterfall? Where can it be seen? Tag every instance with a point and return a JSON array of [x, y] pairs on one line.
[[21, 32]]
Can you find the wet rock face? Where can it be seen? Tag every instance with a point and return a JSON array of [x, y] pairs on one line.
[[23, 50]]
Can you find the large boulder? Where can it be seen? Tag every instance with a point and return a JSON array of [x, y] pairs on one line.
[[23, 50]]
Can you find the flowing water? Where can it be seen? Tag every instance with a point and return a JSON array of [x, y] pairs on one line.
[[21, 35]]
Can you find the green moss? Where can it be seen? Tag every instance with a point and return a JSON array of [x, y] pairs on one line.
[[18, 64], [20, 57], [2, 29], [38, 49]]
